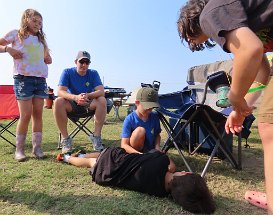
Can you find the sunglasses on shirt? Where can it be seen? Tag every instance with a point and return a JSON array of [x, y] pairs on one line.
[[87, 62]]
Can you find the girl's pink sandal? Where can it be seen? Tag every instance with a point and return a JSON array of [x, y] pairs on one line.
[[256, 198]]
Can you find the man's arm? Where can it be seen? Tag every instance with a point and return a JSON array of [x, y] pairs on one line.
[[79, 99], [99, 91], [62, 92]]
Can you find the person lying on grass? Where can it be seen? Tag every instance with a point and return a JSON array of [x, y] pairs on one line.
[[152, 173]]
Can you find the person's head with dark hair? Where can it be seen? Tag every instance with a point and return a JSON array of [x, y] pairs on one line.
[[191, 192], [189, 28]]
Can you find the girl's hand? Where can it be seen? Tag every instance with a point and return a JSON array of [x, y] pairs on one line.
[[48, 59], [15, 53], [239, 105], [234, 122]]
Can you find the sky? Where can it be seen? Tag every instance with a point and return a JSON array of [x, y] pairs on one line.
[[130, 41]]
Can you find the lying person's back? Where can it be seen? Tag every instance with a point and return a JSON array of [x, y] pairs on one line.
[[144, 173]]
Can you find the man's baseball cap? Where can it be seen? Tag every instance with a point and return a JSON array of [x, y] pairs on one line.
[[148, 97], [82, 55]]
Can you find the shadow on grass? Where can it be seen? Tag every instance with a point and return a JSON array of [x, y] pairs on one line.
[[88, 203], [228, 206], [93, 204], [254, 140], [252, 164]]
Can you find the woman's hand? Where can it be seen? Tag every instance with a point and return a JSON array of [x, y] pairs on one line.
[[239, 105], [234, 122]]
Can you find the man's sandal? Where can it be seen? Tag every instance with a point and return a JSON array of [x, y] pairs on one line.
[[256, 198]]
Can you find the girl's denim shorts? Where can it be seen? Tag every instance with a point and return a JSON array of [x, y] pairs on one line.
[[28, 87]]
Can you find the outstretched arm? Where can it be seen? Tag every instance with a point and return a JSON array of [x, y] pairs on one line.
[[248, 57], [250, 69]]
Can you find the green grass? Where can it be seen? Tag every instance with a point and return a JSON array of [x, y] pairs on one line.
[[50, 187]]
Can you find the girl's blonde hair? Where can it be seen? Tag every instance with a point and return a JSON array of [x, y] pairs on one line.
[[23, 32]]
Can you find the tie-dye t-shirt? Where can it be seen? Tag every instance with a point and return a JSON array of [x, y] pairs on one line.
[[32, 63]]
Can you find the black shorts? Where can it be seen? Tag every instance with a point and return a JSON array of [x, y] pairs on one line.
[[78, 110]]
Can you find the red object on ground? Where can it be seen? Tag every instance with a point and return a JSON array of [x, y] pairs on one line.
[[60, 157]]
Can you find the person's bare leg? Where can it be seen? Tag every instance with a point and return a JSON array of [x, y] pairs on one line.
[[88, 161], [60, 109], [137, 138], [266, 134], [25, 108], [92, 155], [37, 114], [99, 105], [82, 162], [37, 127]]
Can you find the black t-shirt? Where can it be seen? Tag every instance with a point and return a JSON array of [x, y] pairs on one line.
[[220, 16], [139, 172]]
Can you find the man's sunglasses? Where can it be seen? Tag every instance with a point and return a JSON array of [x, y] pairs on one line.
[[87, 62]]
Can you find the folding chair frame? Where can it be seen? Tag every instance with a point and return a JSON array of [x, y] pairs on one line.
[[191, 118], [6, 129], [80, 122], [9, 111]]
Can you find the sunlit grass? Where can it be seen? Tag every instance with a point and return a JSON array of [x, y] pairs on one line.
[[49, 187]]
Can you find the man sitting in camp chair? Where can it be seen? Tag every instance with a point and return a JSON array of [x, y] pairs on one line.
[[80, 91]]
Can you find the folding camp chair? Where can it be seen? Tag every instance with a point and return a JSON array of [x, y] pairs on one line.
[[9, 111], [190, 115], [80, 122]]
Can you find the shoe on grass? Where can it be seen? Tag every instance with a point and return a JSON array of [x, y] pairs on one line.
[[97, 143], [38, 153], [66, 144]]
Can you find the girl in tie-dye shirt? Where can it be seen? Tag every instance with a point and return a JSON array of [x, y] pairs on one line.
[[31, 56]]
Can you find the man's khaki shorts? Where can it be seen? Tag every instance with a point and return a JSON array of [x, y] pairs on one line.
[[265, 113]]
